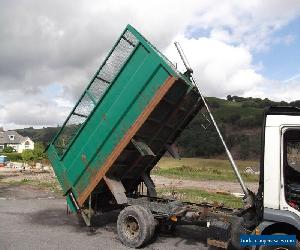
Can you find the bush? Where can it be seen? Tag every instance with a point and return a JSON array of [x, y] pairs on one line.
[[8, 150], [38, 152], [233, 118], [245, 148], [13, 156], [252, 104], [27, 155], [229, 98], [214, 104], [250, 121], [295, 103]]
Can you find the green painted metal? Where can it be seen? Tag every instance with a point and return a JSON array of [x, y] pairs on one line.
[[117, 94]]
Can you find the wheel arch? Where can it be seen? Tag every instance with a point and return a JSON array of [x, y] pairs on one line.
[[276, 219], [280, 227], [268, 228]]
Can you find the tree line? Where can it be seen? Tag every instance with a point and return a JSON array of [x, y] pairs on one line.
[[239, 118]]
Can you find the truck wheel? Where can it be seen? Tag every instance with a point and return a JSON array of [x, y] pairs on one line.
[[151, 222], [133, 226]]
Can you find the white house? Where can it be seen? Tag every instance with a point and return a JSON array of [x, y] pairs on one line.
[[15, 140]]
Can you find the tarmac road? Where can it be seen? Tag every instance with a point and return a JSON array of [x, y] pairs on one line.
[[31, 218]]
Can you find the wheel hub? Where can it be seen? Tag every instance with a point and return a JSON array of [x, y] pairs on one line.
[[131, 227]]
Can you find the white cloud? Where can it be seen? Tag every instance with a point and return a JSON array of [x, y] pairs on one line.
[[21, 110], [220, 69], [46, 42], [277, 91], [250, 23]]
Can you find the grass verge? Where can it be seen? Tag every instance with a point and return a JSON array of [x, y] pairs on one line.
[[199, 196], [203, 169], [47, 185]]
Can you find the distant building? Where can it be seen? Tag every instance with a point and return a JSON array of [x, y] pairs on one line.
[[15, 140]]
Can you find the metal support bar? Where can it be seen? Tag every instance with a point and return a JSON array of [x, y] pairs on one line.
[[91, 96], [232, 162], [117, 189], [142, 147], [229, 155], [130, 43], [173, 151], [81, 115], [101, 79], [86, 218], [183, 57]]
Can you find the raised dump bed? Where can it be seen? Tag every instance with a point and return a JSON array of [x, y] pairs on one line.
[[129, 115]]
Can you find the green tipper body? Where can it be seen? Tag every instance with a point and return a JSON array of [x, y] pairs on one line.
[[116, 100]]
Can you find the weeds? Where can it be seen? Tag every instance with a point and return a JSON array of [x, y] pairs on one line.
[[48, 185], [202, 169]]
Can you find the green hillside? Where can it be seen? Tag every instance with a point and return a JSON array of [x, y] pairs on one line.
[[239, 119], [43, 135]]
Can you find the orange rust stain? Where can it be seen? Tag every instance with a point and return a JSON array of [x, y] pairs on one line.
[[126, 139], [83, 158]]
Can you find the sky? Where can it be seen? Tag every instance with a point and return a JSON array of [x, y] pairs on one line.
[[49, 50]]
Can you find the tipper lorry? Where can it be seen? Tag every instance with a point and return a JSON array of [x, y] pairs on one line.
[[128, 117]]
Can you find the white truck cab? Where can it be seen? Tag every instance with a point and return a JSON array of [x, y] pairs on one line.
[[280, 171]]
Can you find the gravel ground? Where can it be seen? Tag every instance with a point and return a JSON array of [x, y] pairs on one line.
[[14, 174], [34, 218], [31, 218]]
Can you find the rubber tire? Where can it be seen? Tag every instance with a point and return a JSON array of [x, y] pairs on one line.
[[145, 229], [151, 222]]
